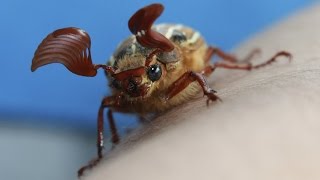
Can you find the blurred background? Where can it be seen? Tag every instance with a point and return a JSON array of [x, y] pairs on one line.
[[48, 118]]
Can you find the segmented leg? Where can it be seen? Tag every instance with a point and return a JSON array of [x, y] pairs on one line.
[[208, 70], [228, 57], [115, 138], [233, 63], [111, 101], [187, 78], [248, 66]]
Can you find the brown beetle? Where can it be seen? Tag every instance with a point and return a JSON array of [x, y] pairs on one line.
[[155, 69]]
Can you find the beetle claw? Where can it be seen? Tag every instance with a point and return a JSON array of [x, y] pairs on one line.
[[212, 97]]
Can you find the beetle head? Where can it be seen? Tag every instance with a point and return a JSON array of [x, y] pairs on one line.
[[141, 73], [71, 47], [137, 79]]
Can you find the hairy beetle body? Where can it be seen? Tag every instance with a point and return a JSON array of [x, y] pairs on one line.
[[188, 54], [155, 69]]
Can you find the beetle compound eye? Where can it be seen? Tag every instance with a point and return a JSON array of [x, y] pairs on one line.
[[154, 72]]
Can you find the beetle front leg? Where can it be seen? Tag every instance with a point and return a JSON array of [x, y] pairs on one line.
[[186, 79], [112, 101]]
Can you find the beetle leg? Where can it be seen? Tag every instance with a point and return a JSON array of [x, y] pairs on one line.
[[115, 139], [211, 51], [112, 101], [208, 70], [186, 79], [242, 66], [248, 66]]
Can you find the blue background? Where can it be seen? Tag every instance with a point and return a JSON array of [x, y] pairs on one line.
[[53, 95]]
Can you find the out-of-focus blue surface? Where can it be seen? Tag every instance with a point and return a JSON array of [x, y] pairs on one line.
[[53, 93]]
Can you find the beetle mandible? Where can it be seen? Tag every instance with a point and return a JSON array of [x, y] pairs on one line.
[[155, 69]]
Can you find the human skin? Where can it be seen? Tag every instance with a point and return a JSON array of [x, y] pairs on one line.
[[266, 127]]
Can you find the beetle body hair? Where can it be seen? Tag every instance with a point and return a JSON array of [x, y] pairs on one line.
[[188, 55]]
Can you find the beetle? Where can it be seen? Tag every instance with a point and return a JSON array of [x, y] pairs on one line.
[[153, 70]]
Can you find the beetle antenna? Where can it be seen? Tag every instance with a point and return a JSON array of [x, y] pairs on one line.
[[70, 47], [109, 69], [140, 25]]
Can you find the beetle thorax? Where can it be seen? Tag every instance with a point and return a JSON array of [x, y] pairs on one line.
[[131, 61]]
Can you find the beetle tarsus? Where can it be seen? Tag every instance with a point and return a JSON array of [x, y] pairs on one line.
[[212, 97], [90, 165]]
